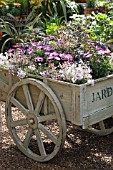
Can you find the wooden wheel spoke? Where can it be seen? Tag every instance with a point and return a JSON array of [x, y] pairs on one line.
[[40, 107], [102, 125], [47, 117], [28, 97], [19, 123], [40, 103], [27, 138], [40, 143], [48, 133], [16, 103]]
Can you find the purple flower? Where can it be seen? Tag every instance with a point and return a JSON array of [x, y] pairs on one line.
[[30, 50], [53, 55], [87, 55], [18, 45], [47, 53], [46, 39], [38, 59], [98, 61], [11, 50], [102, 51], [36, 44], [66, 57], [47, 48]]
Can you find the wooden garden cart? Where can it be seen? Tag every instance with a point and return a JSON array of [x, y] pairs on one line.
[[38, 108]]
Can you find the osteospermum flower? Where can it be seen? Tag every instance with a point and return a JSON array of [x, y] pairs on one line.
[[53, 55], [47, 48], [36, 44], [38, 59], [66, 57], [88, 54], [30, 50], [102, 51]]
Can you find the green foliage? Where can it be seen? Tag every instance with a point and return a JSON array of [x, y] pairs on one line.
[[14, 34], [101, 27], [14, 7], [63, 8], [91, 3], [51, 27], [100, 65]]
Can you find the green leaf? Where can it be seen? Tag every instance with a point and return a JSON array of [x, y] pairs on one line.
[[64, 9]]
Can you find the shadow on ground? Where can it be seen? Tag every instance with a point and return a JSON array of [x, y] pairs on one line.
[[82, 151]]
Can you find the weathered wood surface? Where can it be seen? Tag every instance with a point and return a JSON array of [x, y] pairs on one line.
[[0, 122], [36, 120], [83, 105]]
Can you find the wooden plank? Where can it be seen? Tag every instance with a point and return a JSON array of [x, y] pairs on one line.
[[83, 106], [100, 115], [0, 123], [100, 95], [77, 118]]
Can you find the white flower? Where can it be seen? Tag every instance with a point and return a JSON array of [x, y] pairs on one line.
[[91, 82], [3, 60], [21, 73], [32, 67], [94, 23]]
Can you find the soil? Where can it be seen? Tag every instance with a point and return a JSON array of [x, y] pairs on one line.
[[82, 151]]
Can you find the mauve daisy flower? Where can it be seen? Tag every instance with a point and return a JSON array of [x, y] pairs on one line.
[[102, 51], [66, 57], [38, 59], [88, 55], [36, 44], [11, 50], [47, 53], [30, 50], [53, 55]]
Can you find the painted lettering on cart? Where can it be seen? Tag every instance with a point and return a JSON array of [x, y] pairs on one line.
[[102, 94]]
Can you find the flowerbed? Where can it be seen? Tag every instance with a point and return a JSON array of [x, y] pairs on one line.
[[68, 55]]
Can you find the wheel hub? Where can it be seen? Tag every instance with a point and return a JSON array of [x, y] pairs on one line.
[[32, 121]]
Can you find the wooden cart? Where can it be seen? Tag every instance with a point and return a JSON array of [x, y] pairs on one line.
[[37, 110]]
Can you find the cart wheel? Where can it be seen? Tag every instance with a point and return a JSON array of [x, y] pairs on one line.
[[35, 119], [102, 128]]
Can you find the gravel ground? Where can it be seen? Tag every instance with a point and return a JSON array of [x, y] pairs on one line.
[[82, 151]]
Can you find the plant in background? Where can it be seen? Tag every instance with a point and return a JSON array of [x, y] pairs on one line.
[[13, 34], [10, 7], [62, 8], [25, 7], [91, 3], [100, 27], [35, 3]]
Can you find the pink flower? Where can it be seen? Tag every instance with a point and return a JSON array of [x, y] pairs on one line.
[[30, 50], [87, 55], [66, 57], [38, 59], [53, 55], [102, 51], [98, 61]]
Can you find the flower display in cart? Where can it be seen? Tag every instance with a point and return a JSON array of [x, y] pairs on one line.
[[69, 55]]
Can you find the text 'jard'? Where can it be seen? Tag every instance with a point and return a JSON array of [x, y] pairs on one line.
[[102, 94]]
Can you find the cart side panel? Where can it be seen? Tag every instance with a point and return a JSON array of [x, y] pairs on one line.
[[69, 96], [99, 101], [6, 82]]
